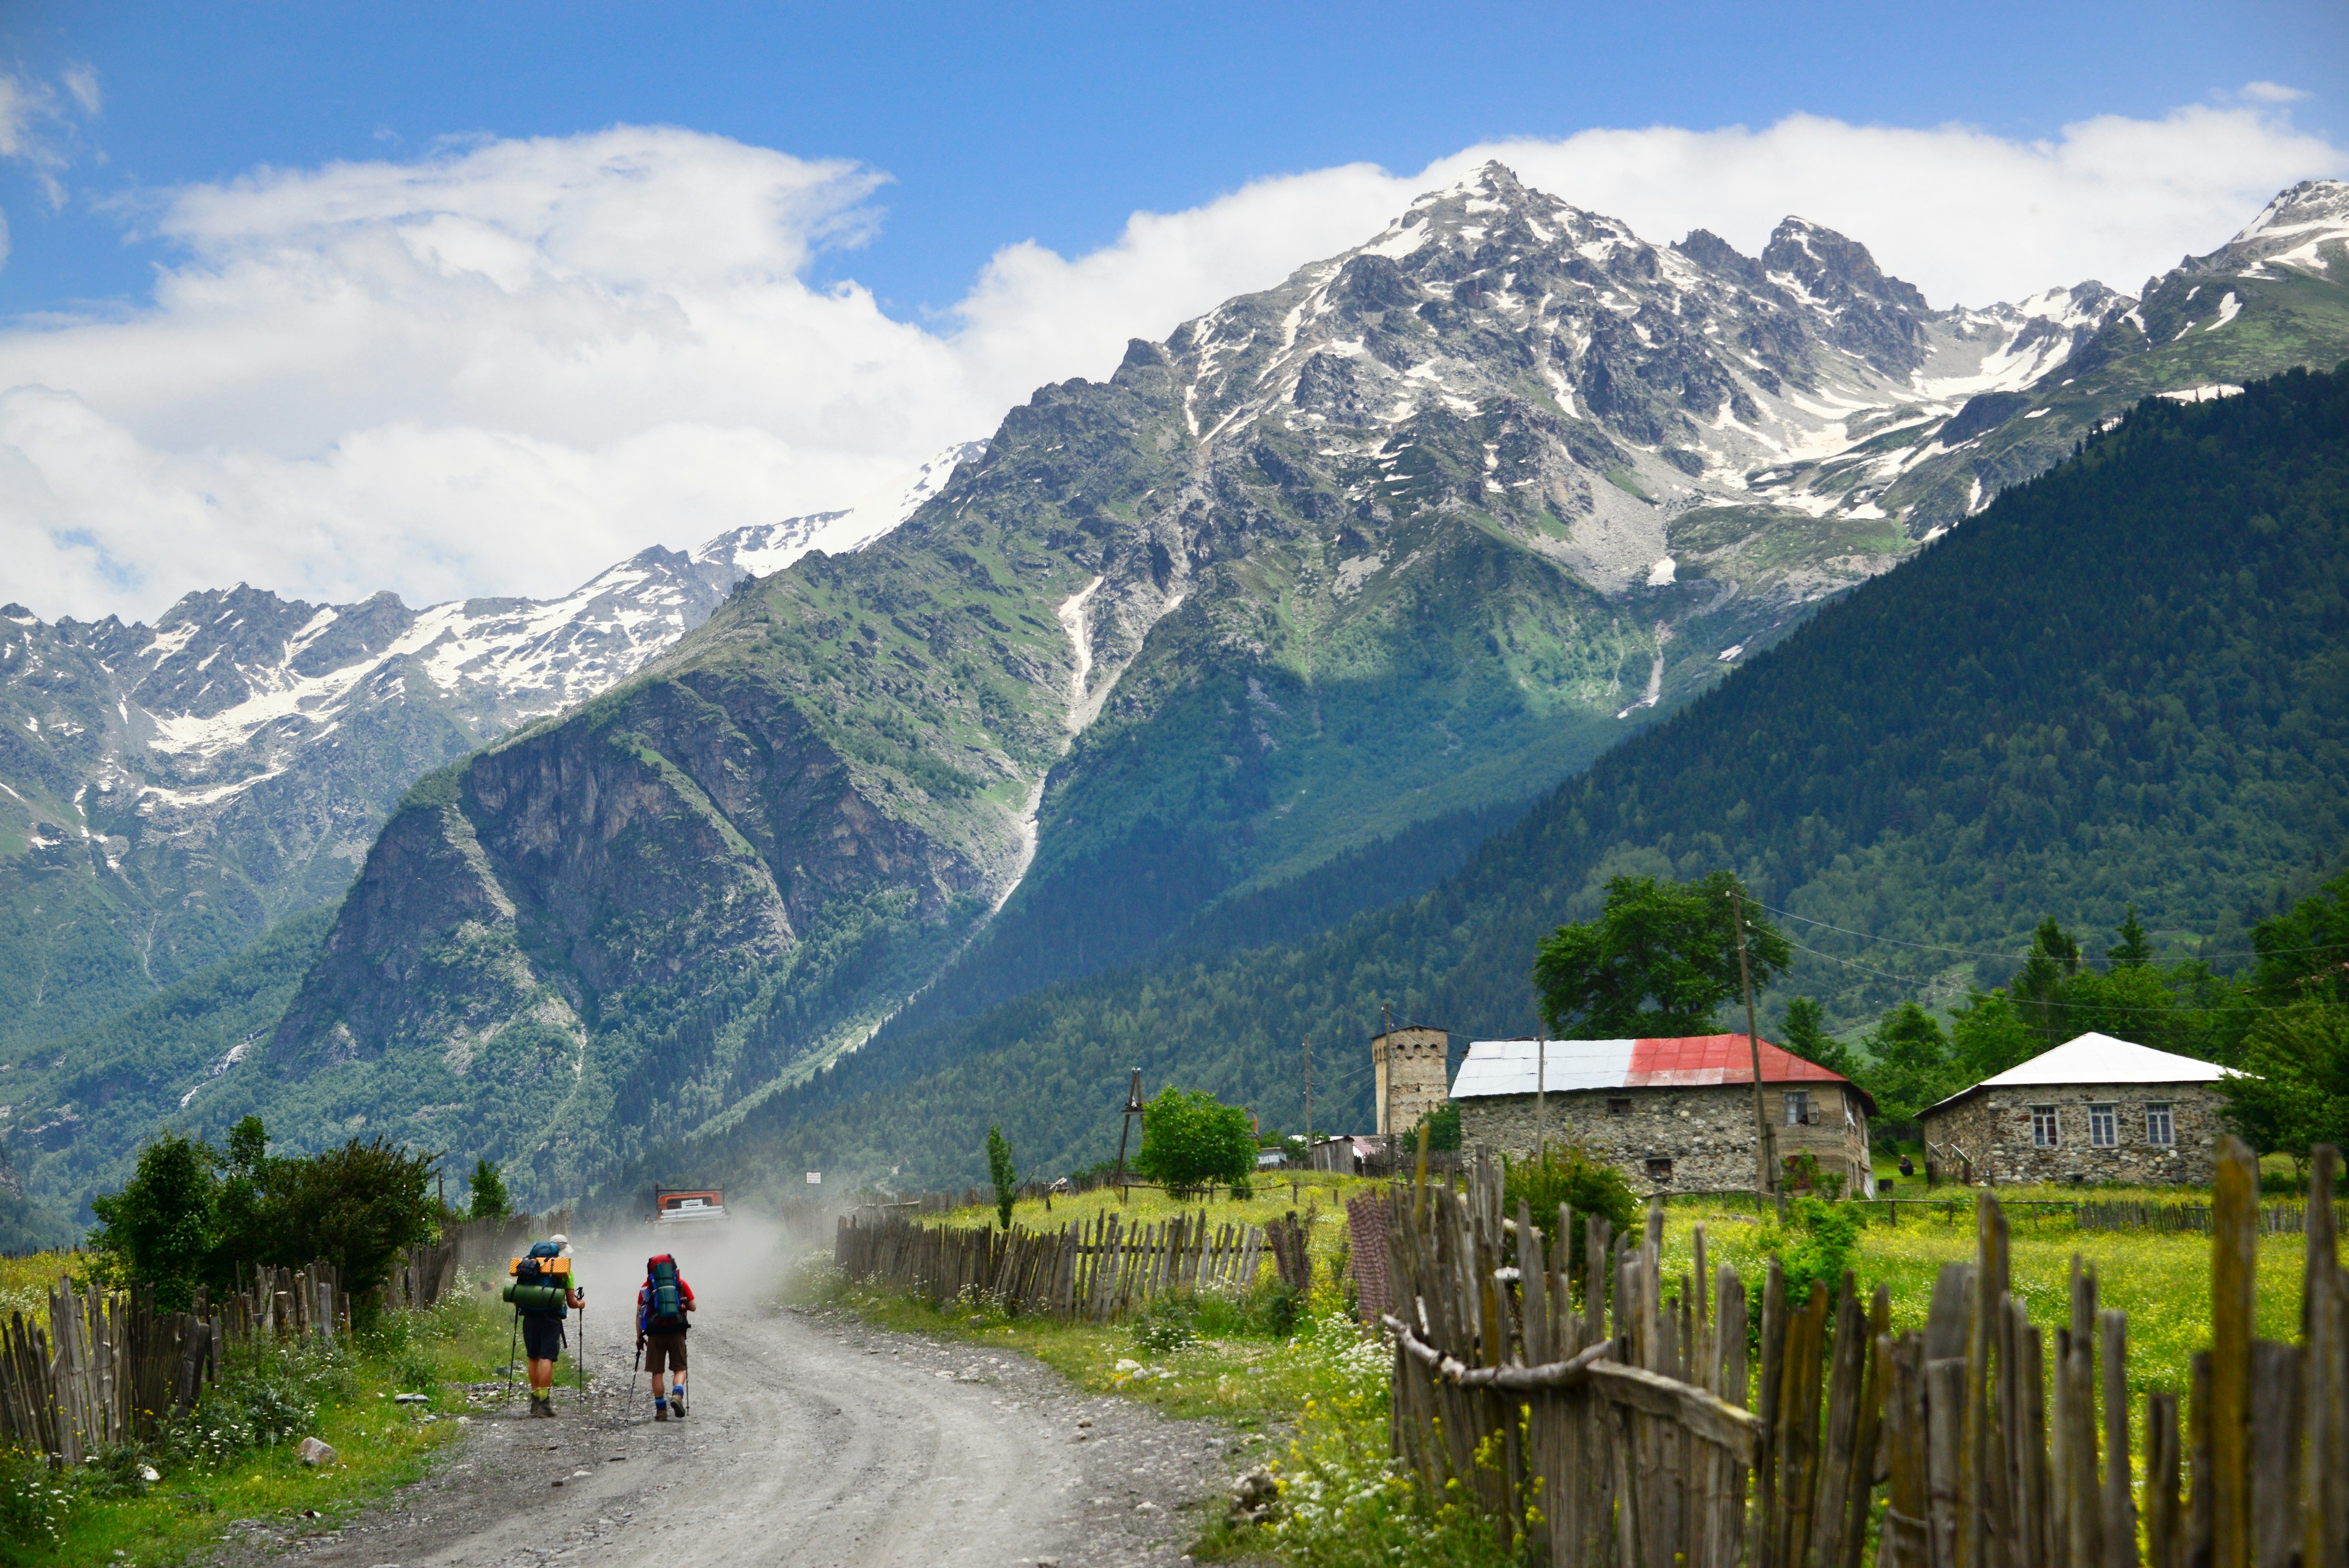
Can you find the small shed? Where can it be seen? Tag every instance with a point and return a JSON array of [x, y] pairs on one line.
[[1675, 1112], [2093, 1109]]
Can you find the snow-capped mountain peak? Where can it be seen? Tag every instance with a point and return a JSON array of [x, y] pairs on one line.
[[247, 729], [763, 549]]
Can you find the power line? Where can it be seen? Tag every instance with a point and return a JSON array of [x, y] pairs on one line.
[[2098, 1006], [1983, 952]]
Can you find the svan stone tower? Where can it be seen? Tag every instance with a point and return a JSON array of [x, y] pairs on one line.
[[1411, 1077]]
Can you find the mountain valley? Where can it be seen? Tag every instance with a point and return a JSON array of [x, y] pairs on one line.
[[1273, 628]]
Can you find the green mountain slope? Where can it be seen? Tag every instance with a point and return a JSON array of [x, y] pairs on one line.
[[2124, 682], [1258, 633]]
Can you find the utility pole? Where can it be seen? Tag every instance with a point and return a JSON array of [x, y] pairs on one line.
[[1125, 1128], [1309, 1099], [1763, 1151], [1541, 1089]]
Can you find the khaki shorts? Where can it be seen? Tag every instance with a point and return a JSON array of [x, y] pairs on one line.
[[664, 1347]]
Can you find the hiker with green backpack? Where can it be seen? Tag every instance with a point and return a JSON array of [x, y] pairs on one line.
[[661, 1325], [542, 1295]]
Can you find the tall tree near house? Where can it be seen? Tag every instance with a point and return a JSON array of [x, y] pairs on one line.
[[1911, 1064], [1005, 1175], [2293, 1092], [1805, 1032], [1661, 960], [2304, 953], [2038, 987]]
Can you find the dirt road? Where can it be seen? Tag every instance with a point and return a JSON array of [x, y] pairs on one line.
[[812, 1440]]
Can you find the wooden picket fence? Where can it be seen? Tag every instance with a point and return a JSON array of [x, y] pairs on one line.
[[1646, 1442], [1096, 1269], [110, 1369], [2273, 1218]]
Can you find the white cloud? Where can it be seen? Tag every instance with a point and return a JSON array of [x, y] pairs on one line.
[[2273, 92], [38, 131], [496, 368]]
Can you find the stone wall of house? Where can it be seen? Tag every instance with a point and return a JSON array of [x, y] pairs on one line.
[[1705, 1133], [1987, 1137], [1413, 1077]]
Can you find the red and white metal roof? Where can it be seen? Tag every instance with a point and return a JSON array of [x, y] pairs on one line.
[[1514, 1067]]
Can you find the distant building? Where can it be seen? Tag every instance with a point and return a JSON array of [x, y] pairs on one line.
[[2093, 1109], [1409, 1066], [1672, 1114]]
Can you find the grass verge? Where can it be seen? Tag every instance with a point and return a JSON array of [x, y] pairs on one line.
[[232, 1460]]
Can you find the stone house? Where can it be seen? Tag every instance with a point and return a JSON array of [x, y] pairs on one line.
[[1674, 1114], [1409, 1066], [2092, 1110]]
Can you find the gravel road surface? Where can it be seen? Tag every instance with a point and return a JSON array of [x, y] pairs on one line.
[[813, 1439]]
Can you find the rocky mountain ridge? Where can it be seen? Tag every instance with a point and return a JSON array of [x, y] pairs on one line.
[[172, 789], [1406, 539]]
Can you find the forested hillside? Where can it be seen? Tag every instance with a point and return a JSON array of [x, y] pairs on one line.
[[2126, 682]]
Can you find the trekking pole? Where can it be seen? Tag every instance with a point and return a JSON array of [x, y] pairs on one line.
[[511, 1341]]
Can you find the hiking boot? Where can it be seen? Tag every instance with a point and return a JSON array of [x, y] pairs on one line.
[[677, 1404], [542, 1407], [660, 1412]]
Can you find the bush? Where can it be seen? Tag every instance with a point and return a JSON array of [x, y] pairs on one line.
[[160, 1228], [1570, 1174], [1819, 1242], [1192, 1141]]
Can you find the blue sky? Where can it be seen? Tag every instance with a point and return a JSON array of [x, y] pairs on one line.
[[1054, 122], [475, 299]]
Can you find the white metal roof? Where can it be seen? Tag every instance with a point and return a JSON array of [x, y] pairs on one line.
[[1510, 1066], [2100, 1059]]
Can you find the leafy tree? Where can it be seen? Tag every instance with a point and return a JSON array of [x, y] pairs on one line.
[[999, 1169], [1804, 1033], [1442, 1125], [2306, 953], [2295, 1093], [489, 1192], [1987, 1036], [356, 1207], [1661, 960], [1568, 1173], [1191, 1141], [158, 1227], [1911, 1065], [241, 1233]]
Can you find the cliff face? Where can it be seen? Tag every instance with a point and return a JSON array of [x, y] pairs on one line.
[[618, 925]]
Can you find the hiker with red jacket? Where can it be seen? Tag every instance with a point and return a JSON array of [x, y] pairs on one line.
[[661, 1306]]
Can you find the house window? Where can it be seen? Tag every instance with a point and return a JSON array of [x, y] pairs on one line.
[[2157, 1127], [1799, 1108], [1618, 1108], [1659, 1170], [2102, 1132], [2044, 1133]]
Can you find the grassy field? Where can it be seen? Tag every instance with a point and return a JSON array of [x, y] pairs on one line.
[[1314, 1403], [234, 1458]]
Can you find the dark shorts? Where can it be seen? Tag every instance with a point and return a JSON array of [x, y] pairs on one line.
[[541, 1337], [661, 1348]]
